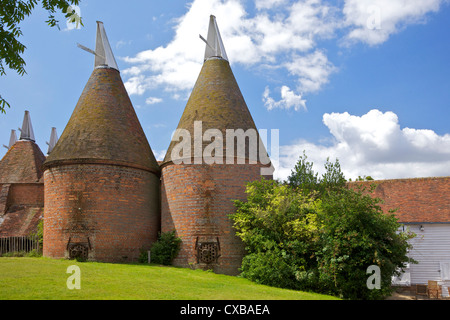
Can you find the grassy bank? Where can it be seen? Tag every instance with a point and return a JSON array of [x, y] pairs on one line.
[[45, 279]]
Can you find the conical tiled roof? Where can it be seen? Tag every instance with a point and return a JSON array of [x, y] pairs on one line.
[[217, 101], [104, 127], [22, 163]]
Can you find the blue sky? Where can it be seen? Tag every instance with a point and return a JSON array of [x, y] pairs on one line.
[[362, 81]]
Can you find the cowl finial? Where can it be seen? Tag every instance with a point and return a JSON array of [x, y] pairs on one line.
[[214, 45]]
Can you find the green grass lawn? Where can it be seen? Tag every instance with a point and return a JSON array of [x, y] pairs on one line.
[[45, 279]]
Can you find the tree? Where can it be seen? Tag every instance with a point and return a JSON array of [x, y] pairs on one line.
[[279, 228], [303, 176], [317, 234], [12, 12], [306, 180], [357, 234]]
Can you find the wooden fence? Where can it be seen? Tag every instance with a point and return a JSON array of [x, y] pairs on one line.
[[17, 244]]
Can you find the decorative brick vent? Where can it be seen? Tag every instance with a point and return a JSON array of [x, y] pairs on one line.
[[208, 252], [78, 251]]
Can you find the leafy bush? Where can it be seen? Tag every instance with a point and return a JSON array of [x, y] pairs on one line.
[[279, 228], [30, 254], [316, 234], [165, 249], [269, 268], [355, 235]]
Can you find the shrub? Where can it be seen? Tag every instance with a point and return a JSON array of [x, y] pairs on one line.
[[269, 268], [316, 234], [165, 249], [30, 254], [279, 227]]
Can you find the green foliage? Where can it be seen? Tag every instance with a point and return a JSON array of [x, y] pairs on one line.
[[303, 176], [39, 234], [12, 12], [363, 178], [317, 234], [304, 179], [270, 268], [165, 249], [355, 235], [279, 227], [30, 254]]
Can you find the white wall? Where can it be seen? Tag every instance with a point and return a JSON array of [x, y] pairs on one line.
[[431, 249]]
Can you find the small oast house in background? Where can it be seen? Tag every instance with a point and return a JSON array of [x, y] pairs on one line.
[[102, 195], [21, 190]]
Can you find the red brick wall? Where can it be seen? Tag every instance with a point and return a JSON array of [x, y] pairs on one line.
[[417, 199], [21, 208], [116, 207], [196, 201], [26, 194]]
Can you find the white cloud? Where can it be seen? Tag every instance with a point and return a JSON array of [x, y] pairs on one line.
[[159, 154], [373, 144], [122, 43], [373, 21], [175, 66], [138, 85], [281, 35], [268, 4], [313, 70], [153, 100], [288, 100], [248, 41]]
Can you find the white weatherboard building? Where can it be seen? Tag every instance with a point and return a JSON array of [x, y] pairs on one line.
[[423, 207], [431, 249]]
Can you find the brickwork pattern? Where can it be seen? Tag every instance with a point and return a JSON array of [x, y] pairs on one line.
[[112, 209], [196, 201], [26, 194]]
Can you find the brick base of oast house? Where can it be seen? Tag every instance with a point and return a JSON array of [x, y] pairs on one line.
[[196, 201], [113, 209]]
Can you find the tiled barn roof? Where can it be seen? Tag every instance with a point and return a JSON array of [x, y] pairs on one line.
[[418, 200]]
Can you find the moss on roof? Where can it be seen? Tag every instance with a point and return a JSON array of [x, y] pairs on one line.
[[104, 127], [217, 101], [22, 163]]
